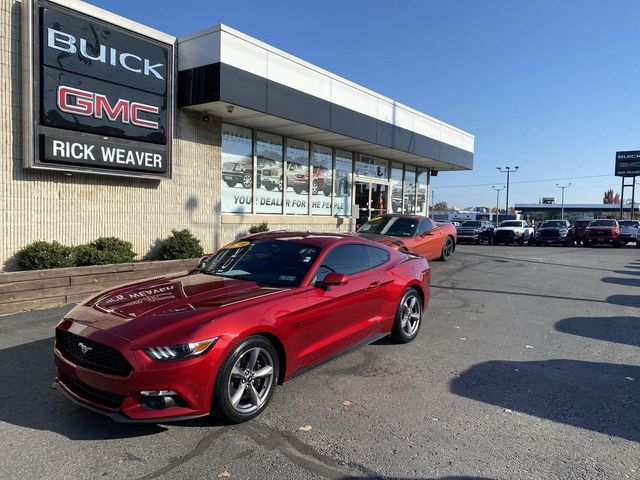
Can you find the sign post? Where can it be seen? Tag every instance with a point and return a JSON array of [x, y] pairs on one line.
[[628, 165]]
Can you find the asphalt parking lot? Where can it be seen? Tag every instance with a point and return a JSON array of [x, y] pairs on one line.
[[527, 366]]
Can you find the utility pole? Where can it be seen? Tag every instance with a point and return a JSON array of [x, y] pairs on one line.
[[497, 203], [562, 187], [508, 171], [432, 203]]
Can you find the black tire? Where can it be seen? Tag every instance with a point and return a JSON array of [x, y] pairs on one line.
[[268, 187], [638, 244], [447, 249], [247, 180], [587, 243], [530, 241], [327, 192], [407, 332], [280, 185], [314, 187], [521, 241], [221, 402], [230, 183], [617, 244], [298, 190]]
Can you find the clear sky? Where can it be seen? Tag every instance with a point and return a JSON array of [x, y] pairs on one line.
[[551, 86]]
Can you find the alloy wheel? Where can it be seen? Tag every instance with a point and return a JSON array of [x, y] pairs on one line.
[[411, 314], [251, 380], [247, 180]]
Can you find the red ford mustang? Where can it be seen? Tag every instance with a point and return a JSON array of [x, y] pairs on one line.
[[219, 339]]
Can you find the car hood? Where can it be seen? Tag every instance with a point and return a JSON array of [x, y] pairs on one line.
[[388, 240], [170, 303], [508, 229]]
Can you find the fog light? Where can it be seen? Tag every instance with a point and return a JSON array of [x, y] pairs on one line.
[[160, 399]]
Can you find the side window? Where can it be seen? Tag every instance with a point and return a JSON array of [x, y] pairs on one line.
[[425, 226], [378, 256], [345, 259]]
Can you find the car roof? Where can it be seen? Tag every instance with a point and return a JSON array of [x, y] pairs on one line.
[[403, 215], [317, 239]]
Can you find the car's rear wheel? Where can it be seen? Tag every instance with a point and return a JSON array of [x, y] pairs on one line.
[[246, 380], [230, 183], [447, 249], [247, 180], [408, 317]]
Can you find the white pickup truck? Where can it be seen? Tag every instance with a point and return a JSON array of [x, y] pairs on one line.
[[513, 231]]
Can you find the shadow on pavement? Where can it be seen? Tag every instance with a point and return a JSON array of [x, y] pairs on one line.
[[417, 478], [625, 300], [602, 397], [628, 282], [624, 330], [28, 400]]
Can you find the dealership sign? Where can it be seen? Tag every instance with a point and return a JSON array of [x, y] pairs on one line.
[[99, 94], [628, 164]]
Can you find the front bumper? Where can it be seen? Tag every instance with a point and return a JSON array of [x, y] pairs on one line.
[[119, 397]]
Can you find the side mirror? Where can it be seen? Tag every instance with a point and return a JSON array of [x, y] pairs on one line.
[[333, 279], [428, 232]]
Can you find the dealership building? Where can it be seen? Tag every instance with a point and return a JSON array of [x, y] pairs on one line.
[[111, 128]]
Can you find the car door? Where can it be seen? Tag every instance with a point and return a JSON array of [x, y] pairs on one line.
[[429, 243], [341, 316]]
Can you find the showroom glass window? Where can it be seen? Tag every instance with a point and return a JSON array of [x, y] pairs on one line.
[[409, 189], [321, 180], [342, 197], [422, 193], [372, 167], [237, 169], [269, 176], [396, 187], [297, 191]]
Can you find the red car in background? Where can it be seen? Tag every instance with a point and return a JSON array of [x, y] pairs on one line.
[[218, 339], [412, 233], [605, 231]]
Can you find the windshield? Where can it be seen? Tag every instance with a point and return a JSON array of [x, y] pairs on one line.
[[511, 223], [470, 224], [279, 263], [394, 226], [628, 223], [603, 223], [554, 224]]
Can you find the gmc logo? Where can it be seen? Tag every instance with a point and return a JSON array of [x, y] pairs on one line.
[[90, 104]]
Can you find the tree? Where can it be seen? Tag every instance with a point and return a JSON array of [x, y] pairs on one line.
[[611, 198], [441, 207]]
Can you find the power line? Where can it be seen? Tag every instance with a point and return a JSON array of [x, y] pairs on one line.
[[522, 181]]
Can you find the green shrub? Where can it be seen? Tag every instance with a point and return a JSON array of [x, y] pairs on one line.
[[180, 244], [103, 251], [42, 255], [261, 227]]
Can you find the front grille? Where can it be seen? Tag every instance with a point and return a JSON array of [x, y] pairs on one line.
[[550, 234], [504, 234], [266, 172], [600, 232], [94, 395], [98, 357]]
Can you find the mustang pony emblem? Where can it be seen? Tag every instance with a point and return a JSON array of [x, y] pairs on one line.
[[84, 348]]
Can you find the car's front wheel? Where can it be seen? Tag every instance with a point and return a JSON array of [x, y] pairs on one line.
[[408, 317], [246, 380], [447, 249]]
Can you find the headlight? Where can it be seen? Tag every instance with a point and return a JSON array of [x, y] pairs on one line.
[[178, 352], [517, 233], [563, 231]]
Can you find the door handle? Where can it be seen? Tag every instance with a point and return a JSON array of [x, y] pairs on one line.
[[374, 285]]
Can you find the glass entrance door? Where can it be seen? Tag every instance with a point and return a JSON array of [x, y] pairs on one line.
[[371, 199]]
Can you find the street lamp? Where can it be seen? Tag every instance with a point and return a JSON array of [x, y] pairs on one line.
[[562, 187], [497, 203], [508, 171]]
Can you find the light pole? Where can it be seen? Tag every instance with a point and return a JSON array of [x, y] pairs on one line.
[[508, 171], [497, 203], [562, 187]]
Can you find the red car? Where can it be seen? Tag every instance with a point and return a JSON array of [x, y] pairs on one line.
[[412, 233], [219, 339], [602, 231]]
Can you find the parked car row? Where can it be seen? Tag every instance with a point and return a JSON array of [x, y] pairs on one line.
[[560, 232]]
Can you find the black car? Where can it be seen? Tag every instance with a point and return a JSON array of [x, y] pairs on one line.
[[476, 231], [553, 231]]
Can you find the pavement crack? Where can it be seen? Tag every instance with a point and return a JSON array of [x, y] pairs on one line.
[[199, 449], [301, 454]]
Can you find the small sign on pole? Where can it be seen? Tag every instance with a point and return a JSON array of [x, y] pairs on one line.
[[628, 163]]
